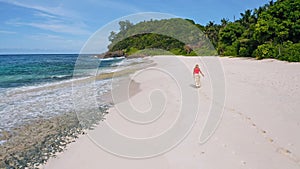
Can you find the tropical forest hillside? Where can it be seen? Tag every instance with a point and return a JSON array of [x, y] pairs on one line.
[[270, 31]]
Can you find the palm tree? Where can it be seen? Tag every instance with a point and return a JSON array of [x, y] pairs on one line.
[[224, 22], [211, 32], [246, 18]]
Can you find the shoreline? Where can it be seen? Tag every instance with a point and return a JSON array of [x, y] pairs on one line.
[[260, 113], [31, 144]]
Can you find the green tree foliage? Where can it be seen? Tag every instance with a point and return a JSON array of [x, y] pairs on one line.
[[263, 32], [290, 52], [269, 31], [229, 39], [149, 40], [178, 36], [211, 31]]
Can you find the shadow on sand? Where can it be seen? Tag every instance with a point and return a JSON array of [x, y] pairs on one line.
[[194, 86]]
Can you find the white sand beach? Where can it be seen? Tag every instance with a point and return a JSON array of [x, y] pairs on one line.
[[258, 128]]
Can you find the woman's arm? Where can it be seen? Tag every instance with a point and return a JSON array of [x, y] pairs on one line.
[[201, 73]]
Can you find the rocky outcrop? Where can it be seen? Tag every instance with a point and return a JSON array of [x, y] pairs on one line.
[[118, 53]]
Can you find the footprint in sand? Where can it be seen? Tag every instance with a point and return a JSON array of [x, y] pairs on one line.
[[263, 131], [284, 151], [243, 162], [231, 109], [289, 154]]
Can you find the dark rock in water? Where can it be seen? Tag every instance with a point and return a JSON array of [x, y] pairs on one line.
[[118, 53]]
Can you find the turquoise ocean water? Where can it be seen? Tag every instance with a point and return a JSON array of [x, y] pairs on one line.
[[41, 85]]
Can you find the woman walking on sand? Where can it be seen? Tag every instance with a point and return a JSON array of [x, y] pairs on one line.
[[196, 74]]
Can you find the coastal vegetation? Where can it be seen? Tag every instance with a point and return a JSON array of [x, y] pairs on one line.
[[270, 31], [175, 35]]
